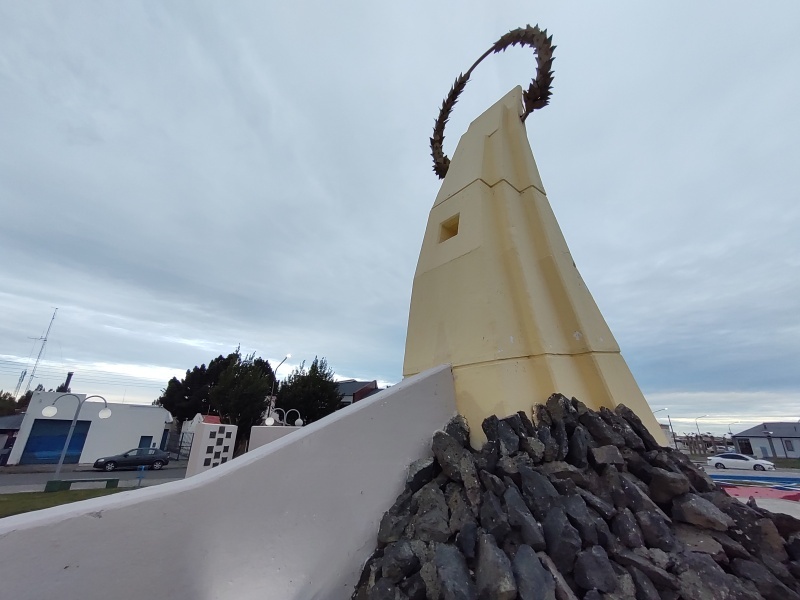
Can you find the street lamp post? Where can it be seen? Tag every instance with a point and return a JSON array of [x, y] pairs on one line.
[[671, 430], [272, 391], [51, 411], [700, 435], [696, 424], [286, 413]]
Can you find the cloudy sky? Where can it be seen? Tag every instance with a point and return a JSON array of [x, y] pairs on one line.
[[181, 178]]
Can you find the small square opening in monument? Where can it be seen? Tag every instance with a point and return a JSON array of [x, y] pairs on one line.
[[448, 228]]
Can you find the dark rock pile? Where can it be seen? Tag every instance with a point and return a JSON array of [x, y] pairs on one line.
[[583, 504]]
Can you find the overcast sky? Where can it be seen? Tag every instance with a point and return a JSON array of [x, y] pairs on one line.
[[181, 178]]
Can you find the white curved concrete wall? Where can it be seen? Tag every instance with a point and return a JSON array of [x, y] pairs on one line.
[[294, 519]]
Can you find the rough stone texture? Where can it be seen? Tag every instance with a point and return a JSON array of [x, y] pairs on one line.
[[638, 427], [429, 522], [534, 582], [766, 583], [399, 561], [691, 508], [492, 483], [666, 485], [655, 530], [420, 472], [493, 518], [395, 520], [508, 438], [622, 427], [385, 590], [659, 576], [458, 429], [700, 578], [606, 455], [539, 493], [645, 590], [602, 433], [700, 540], [612, 517], [626, 529], [563, 541], [520, 518], [454, 578], [578, 448], [593, 570], [580, 518], [493, 575], [603, 508]]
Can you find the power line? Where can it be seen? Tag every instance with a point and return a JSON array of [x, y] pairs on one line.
[[38, 358]]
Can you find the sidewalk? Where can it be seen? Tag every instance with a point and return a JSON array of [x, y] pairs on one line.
[[123, 484]]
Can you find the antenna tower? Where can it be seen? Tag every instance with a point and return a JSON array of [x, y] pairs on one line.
[[41, 350]]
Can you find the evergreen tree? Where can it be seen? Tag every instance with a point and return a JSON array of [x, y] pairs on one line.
[[7, 403], [312, 392], [231, 387]]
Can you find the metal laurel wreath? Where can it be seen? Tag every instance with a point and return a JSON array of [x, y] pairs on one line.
[[536, 96]]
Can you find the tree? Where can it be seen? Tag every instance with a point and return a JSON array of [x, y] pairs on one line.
[[63, 388], [8, 405], [25, 399], [240, 395], [312, 392], [231, 387]]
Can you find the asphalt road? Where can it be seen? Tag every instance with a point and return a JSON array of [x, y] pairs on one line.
[[777, 474], [31, 482]]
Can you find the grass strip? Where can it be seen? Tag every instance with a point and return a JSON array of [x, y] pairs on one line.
[[22, 502]]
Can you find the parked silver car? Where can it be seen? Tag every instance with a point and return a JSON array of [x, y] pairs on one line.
[[731, 460]]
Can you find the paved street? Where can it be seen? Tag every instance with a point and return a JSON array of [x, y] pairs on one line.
[[19, 479]]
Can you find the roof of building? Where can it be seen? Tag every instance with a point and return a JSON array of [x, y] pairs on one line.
[[213, 419], [349, 387], [11, 421], [783, 430]]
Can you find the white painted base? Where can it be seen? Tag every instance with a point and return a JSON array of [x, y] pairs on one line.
[[293, 520]]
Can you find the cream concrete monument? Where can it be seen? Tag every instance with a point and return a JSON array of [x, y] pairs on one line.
[[496, 293]]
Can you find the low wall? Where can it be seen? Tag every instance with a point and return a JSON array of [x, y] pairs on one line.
[[261, 435], [294, 519]]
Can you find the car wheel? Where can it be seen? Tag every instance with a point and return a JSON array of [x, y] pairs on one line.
[[110, 465], [719, 466], [758, 467], [157, 465]]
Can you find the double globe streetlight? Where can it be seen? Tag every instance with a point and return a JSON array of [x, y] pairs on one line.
[[286, 413], [51, 411]]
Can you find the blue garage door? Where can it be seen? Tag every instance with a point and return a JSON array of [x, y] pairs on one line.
[[46, 442]]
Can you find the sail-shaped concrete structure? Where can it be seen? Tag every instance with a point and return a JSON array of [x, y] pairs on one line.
[[497, 294]]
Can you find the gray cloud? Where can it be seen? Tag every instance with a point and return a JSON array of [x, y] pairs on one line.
[[180, 179]]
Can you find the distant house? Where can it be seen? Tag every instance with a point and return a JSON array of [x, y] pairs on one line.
[[770, 440], [353, 391], [41, 439], [9, 428]]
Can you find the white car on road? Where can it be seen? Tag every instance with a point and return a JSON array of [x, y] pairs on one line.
[[730, 460]]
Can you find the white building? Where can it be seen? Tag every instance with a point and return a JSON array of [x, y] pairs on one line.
[[770, 440], [41, 439]]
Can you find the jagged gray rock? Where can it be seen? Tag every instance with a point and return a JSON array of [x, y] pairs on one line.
[[534, 582], [691, 508], [593, 570], [666, 485], [455, 581], [493, 575], [467, 524], [562, 539]]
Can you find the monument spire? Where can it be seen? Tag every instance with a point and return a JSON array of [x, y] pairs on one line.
[[496, 293]]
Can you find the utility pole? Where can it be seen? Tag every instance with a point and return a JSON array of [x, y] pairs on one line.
[[41, 350], [19, 383]]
